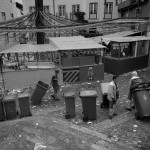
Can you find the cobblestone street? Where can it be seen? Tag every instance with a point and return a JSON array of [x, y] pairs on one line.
[[48, 129]]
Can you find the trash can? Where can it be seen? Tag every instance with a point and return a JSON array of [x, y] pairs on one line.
[[24, 104], [141, 99], [70, 104], [105, 101], [88, 104], [38, 93], [2, 116], [10, 107]]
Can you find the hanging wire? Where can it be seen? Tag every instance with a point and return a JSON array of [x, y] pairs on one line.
[[10, 21], [47, 20], [26, 19], [31, 18]]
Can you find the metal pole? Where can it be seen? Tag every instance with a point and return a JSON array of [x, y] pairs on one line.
[[148, 27], [148, 30], [54, 7], [1, 69]]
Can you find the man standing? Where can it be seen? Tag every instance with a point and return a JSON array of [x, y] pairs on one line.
[[131, 104], [55, 85], [112, 96]]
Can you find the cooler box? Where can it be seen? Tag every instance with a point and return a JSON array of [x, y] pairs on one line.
[[39, 92], [104, 89], [24, 104], [70, 104], [88, 104], [10, 107], [141, 99]]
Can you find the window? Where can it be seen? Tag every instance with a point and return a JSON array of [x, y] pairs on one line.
[[138, 12], [117, 2], [108, 10], [129, 49], [46, 9], [75, 8], [93, 10], [142, 48], [3, 16], [31, 9], [122, 50], [62, 10], [12, 16]]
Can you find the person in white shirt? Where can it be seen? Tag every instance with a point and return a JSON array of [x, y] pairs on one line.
[[112, 96]]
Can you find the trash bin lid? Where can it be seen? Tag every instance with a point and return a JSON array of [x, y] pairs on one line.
[[41, 83], [8, 98], [69, 94], [21, 95], [88, 93], [104, 88]]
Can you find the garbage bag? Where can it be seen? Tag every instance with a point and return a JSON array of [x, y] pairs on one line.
[[139, 83]]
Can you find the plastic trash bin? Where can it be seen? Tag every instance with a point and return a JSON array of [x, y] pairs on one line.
[[141, 99], [10, 107], [38, 93], [24, 104], [2, 116], [88, 104], [70, 104], [105, 101]]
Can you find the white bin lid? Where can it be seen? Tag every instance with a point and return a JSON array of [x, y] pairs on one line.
[[104, 88], [88, 93]]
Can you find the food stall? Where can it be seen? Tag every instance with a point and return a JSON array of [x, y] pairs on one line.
[[34, 63], [80, 58], [126, 54]]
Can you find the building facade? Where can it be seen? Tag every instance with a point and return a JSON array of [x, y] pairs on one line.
[[7, 12], [95, 10]]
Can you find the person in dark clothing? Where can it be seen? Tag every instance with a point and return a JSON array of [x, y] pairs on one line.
[[55, 85], [131, 104]]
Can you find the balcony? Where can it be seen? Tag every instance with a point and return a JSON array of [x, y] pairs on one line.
[[127, 4], [124, 4]]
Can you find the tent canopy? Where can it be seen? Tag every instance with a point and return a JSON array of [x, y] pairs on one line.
[[126, 39], [74, 43], [122, 33], [28, 48], [98, 39]]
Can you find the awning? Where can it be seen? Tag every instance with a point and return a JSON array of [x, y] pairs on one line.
[[98, 39], [28, 48], [126, 39], [122, 34], [74, 43]]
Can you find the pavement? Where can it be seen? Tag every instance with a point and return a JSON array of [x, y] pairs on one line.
[[47, 128]]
